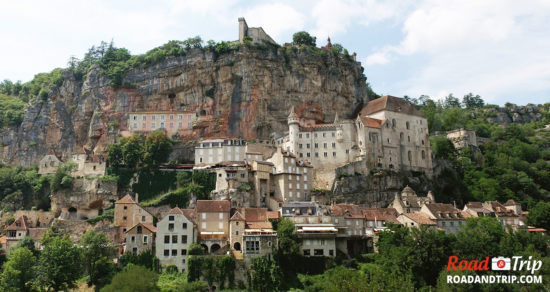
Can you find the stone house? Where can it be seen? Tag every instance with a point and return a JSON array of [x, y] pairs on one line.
[[318, 235], [446, 216], [50, 163], [212, 218], [255, 34], [514, 206], [295, 208], [21, 228], [128, 213], [462, 138], [140, 238], [175, 233], [505, 214], [251, 232], [213, 151], [292, 179], [174, 123], [409, 202], [88, 165], [416, 220]]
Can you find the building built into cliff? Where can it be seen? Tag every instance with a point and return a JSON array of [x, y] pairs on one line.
[[388, 133], [174, 123]]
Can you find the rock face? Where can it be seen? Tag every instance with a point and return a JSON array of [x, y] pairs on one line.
[[244, 93], [512, 114], [86, 199]]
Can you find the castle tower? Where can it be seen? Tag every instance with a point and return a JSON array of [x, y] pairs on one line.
[[293, 130], [243, 29]]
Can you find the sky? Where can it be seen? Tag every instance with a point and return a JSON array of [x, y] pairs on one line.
[[499, 49]]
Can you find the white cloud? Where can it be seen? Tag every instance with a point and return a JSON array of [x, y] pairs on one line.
[[377, 59], [276, 19]]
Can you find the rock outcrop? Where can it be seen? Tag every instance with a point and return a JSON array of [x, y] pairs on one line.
[[244, 93]]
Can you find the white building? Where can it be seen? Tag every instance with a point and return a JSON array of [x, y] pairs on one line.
[[213, 151], [175, 233]]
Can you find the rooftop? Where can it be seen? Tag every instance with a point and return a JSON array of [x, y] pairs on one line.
[[213, 206], [390, 103]]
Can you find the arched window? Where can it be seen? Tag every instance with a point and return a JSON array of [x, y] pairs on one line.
[[393, 123], [401, 136], [409, 138], [410, 156], [408, 126]]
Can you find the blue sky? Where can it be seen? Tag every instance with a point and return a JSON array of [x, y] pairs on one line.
[[499, 49]]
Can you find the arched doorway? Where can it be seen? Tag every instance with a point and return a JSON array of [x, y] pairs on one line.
[[214, 248], [205, 248], [72, 213], [237, 246]]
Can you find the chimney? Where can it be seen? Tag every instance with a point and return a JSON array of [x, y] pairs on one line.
[[137, 198]]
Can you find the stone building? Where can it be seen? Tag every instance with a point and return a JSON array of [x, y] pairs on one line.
[[175, 233], [513, 206], [213, 151], [50, 163], [128, 213], [251, 232], [446, 216], [387, 133], [174, 123], [254, 34], [88, 165], [505, 214], [21, 228], [140, 238], [416, 220], [409, 202], [462, 138], [292, 179], [212, 218]]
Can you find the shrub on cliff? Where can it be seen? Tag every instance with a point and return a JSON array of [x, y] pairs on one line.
[[303, 38], [62, 178]]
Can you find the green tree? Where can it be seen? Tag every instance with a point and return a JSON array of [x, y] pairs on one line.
[[27, 242], [62, 178], [479, 238], [471, 102], [450, 101], [289, 243], [133, 279], [132, 150], [18, 272], [157, 149], [303, 38], [114, 154], [59, 264], [97, 251], [266, 275], [443, 147], [539, 215]]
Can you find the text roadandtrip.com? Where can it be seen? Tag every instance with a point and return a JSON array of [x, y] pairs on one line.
[[497, 264]]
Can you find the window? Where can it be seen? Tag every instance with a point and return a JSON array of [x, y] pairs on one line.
[[237, 232], [300, 146], [333, 154], [203, 215], [174, 252], [144, 118], [180, 117], [171, 227], [333, 145], [290, 186], [167, 239], [409, 138], [325, 145], [252, 247], [308, 154], [331, 252], [203, 225], [135, 118], [393, 124], [306, 252], [184, 239], [316, 154], [220, 225], [325, 154], [300, 135], [184, 226], [423, 154], [125, 207], [221, 215], [183, 252], [145, 238], [124, 218], [316, 145], [142, 218], [407, 125], [166, 253], [153, 125], [139, 229], [301, 154], [307, 135], [318, 252], [133, 239], [174, 239], [333, 134]]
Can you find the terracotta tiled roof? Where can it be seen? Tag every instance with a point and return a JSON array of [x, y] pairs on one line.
[[189, 213], [347, 210], [3, 240], [474, 205], [273, 215], [126, 200], [445, 211], [381, 214], [420, 218], [213, 206], [176, 211], [318, 127], [390, 103], [36, 233], [255, 214], [371, 123], [259, 225], [510, 203], [148, 226], [22, 223], [237, 216]]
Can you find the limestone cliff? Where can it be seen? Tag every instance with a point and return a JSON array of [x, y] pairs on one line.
[[243, 93]]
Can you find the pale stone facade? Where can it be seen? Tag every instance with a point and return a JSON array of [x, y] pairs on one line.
[[212, 218], [251, 232], [88, 165], [462, 138], [49, 163], [256, 34], [128, 213], [175, 233], [213, 151], [174, 123], [446, 216], [140, 238], [292, 178], [409, 202]]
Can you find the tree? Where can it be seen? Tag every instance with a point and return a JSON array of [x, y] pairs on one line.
[[471, 102], [289, 243], [18, 271], [266, 275], [114, 154], [27, 242], [451, 102], [97, 251], [539, 215], [479, 238], [62, 178], [132, 150], [303, 38], [59, 264], [133, 279], [157, 149], [442, 147]]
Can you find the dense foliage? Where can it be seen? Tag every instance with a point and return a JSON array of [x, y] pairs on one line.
[[23, 186], [12, 111], [137, 151]]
